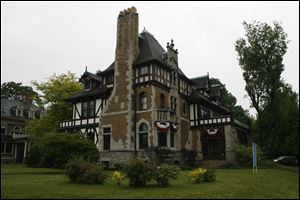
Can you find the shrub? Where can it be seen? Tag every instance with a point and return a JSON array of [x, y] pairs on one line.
[[79, 170], [209, 175], [166, 172], [139, 172], [244, 155], [118, 176], [197, 174], [54, 150]]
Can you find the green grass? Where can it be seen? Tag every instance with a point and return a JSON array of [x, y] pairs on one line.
[[18, 181]]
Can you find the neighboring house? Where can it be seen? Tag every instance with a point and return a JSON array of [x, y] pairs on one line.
[[144, 100], [14, 140]]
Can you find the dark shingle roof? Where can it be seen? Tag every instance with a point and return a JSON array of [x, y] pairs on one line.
[[201, 82], [93, 76], [8, 108], [149, 49], [89, 93]]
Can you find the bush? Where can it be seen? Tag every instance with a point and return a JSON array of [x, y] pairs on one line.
[[79, 170], [139, 172], [244, 155], [118, 176], [197, 174], [54, 150], [209, 175], [166, 172]]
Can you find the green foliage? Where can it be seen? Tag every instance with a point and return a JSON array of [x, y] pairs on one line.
[[260, 56], [164, 173], [229, 101], [139, 172], [55, 92], [209, 175], [54, 150], [79, 170], [244, 155], [200, 174], [197, 175], [16, 91]]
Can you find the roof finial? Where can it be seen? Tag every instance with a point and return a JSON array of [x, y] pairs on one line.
[[172, 44], [86, 68], [144, 29]]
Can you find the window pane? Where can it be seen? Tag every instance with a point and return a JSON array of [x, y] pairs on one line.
[[8, 147], [91, 108], [106, 130], [143, 127], [2, 147], [106, 142], [143, 140], [3, 130], [84, 109], [144, 70], [172, 138], [162, 139]]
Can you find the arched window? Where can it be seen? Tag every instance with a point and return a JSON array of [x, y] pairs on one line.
[[143, 136], [162, 101], [143, 101]]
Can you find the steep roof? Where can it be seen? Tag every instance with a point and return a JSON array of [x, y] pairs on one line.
[[93, 76], [8, 108], [97, 92], [149, 49], [201, 82]]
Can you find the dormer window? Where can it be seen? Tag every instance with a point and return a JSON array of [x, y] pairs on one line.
[[19, 112], [87, 85]]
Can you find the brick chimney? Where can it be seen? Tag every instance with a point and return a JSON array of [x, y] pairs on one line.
[[119, 105], [28, 99]]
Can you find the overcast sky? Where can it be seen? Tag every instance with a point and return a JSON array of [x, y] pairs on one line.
[[42, 38]]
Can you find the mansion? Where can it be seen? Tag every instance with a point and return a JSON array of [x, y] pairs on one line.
[[143, 101]]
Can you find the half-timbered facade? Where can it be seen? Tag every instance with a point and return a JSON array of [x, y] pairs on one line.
[[143, 100]]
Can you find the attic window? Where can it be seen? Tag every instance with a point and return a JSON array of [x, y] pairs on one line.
[[87, 85], [31, 114], [19, 112]]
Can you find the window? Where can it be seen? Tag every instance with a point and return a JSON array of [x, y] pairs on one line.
[[172, 139], [143, 136], [84, 109], [8, 147], [143, 101], [87, 85], [106, 138], [2, 147], [19, 112], [162, 101], [3, 129], [31, 114], [162, 139], [213, 146], [91, 109], [144, 70], [173, 104], [109, 79], [88, 109]]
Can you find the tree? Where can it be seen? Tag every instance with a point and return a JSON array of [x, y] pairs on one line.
[[55, 91], [229, 101], [16, 91], [260, 56]]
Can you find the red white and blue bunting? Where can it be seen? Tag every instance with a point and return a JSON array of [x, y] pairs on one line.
[[212, 131], [174, 126], [162, 126]]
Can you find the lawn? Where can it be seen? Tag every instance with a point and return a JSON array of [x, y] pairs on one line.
[[18, 181]]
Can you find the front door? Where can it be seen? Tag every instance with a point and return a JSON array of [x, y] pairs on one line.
[[20, 152]]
